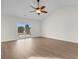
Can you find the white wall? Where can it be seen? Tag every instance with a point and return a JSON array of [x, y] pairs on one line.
[[9, 29], [62, 25]]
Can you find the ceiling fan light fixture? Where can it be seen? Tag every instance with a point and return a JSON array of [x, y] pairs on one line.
[[38, 11]]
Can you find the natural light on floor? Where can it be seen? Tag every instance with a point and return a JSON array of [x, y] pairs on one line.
[[43, 58], [23, 45]]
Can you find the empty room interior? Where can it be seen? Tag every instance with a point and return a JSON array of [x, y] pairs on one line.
[[39, 29]]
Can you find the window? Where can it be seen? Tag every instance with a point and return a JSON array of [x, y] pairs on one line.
[[23, 29]]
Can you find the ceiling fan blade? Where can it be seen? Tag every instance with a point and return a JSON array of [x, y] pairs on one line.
[[42, 7], [31, 11], [44, 11], [33, 7]]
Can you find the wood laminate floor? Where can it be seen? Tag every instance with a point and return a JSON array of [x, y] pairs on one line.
[[38, 47]]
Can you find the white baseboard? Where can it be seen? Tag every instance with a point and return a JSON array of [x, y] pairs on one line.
[[59, 39], [6, 40]]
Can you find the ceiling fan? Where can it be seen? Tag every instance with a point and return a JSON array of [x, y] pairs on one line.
[[39, 9]]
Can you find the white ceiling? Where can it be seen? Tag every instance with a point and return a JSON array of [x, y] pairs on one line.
[[19, 8]]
